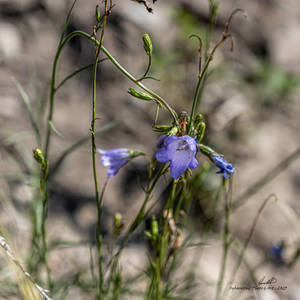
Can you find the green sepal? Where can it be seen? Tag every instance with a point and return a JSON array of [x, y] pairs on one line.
[[206, 150], [133, 153]]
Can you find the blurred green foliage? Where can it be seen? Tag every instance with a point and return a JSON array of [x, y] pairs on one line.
[[272, 84]]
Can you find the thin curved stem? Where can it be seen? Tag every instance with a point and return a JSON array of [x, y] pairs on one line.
[[226, 235], [201, 78], [125, 72], [117, 65], [148, 68], [97, 196]]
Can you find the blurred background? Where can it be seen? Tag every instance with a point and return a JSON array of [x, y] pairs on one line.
[[250, 104]]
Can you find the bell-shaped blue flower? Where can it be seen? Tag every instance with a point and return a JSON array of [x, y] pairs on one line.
[[114, 159], [226, 169], [180, 151]]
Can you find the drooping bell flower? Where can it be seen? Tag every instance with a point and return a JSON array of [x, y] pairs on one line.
[[180, 151]]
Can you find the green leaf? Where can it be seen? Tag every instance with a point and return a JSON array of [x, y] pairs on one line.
[[26, 100], [54, 129], [75, 146]]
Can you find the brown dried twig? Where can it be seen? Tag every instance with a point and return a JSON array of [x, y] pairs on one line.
[[149, 9]]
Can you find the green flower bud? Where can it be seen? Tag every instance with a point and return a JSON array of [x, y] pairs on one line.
[[147, 43], [198, 120], [98, 15], [154, 227], [173, 131], [200, 131], [118, 224], [117, 220], [139, 95], [38, 156], [162, 128]]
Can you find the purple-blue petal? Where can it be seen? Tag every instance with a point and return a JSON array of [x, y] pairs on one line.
[[226, 169], [114, 159], [193, 164], [162, 155], [160, 141], [179, 151]]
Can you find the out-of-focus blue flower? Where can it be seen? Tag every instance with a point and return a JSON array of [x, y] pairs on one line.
[[114, 159], [276, 252], [226, 169], [179, 151]]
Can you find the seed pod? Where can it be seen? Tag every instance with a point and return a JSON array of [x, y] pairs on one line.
[[147, 43], [139, 95]]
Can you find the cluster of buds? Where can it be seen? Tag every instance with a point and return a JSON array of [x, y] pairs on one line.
[[197, 128]]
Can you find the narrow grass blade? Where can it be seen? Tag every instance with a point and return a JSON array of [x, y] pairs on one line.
[[54, 129], [4, 245], [75, 146], [26, 100]]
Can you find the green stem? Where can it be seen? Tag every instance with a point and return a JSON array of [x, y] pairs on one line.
[[180, 201], [136, 222], [200, 80], [124, 71], [148, 67], [53, 87], [98, 199], [43, 188], [72, 75], [226, 242], [164, 239]]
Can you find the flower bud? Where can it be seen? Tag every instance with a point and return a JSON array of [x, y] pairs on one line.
[[38, 156], [118, 224], [147, 43], [200, 131], [98, 15], [154, 227], [139, 95], [162, 128], [198, 120], [173, 131]]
